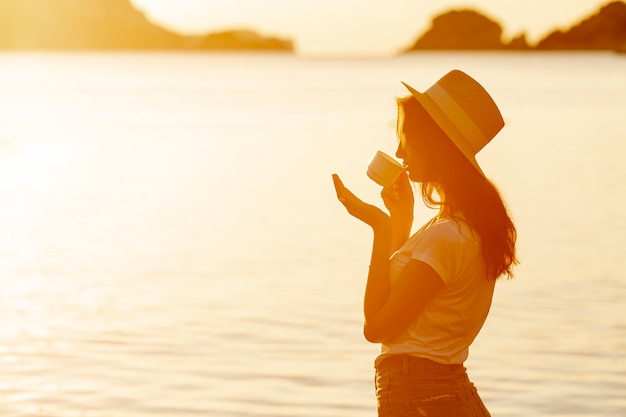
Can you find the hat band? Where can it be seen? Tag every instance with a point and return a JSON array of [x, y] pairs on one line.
[[458, 117]]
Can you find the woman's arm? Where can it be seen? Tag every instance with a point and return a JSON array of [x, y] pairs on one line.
[[399, 201], [392, 312], [388, 310], [377, 287]]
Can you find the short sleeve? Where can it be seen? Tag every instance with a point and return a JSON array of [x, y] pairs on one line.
[[440, 247]]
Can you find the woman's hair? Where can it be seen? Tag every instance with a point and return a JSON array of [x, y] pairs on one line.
[[460, 187]]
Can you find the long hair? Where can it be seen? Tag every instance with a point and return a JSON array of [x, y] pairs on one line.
[[454, 185]]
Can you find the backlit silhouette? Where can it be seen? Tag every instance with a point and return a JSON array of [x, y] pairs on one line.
[[427, 301]]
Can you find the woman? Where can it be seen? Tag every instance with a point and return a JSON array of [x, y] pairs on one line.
[[428, 295]]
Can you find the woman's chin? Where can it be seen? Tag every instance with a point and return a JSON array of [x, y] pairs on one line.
[[413, 175]]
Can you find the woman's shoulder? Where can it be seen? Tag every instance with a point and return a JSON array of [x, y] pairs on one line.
[[452, 228]]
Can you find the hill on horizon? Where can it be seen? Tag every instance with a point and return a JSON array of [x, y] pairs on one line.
[[108, 25], [468, 29], [118, 25]]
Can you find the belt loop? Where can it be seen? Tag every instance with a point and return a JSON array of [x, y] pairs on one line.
[[405, 365]]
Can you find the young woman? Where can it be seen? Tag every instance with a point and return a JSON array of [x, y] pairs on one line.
[[428, 295]]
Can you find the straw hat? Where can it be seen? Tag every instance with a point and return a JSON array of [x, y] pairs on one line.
[[463, 110]]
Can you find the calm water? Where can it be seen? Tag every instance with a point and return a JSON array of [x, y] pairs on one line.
[[171, 244]]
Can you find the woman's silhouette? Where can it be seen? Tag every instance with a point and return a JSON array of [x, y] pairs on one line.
[[428, 295]]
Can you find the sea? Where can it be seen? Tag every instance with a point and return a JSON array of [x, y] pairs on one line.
[[171, 243]]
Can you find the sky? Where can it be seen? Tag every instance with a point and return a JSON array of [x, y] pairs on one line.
[[357, 27]]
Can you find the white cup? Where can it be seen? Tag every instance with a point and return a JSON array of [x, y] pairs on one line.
[[383, 169]]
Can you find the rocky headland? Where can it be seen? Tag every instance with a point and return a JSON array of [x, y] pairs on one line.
[[109, 25], [118, 25], [467, 29]]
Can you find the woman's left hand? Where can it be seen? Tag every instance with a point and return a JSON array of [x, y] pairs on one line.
[[367, 213]]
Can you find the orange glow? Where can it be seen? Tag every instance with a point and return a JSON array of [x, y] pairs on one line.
[[316, 28], [33, 24], [108, 25]]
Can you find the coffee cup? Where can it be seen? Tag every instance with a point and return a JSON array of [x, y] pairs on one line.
[[383, 169]]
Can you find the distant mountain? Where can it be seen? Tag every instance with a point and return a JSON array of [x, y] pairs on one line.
[[471, 30], [242, 39], [107, 25], [605, 30], [461, 29]]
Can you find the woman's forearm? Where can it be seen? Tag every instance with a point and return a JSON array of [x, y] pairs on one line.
[[377, 287], [401, 230]]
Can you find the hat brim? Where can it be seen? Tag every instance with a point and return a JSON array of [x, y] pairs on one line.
[[447, 125]]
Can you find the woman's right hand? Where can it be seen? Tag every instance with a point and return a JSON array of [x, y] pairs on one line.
[[399, 200]]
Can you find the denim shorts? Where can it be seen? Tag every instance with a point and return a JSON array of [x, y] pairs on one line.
[[407, 386]]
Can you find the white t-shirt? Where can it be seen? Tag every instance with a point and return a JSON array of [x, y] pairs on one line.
[[453, 317]]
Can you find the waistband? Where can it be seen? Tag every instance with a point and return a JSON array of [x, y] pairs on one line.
[[404, 361]]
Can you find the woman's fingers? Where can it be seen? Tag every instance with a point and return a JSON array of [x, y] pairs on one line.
[[356, 207], [346, 197], [339, 188], [398, 197], [391, 191], [343, 194]]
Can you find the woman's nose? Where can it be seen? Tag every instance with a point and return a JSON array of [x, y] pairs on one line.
[[400, 151]]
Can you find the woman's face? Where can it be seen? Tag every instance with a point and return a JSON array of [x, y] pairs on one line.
[[423, 146], [413, 152]]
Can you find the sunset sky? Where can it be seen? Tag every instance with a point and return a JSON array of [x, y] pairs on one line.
[[356, 27]]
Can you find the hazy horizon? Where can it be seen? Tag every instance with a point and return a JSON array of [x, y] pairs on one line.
[[356, 28]]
